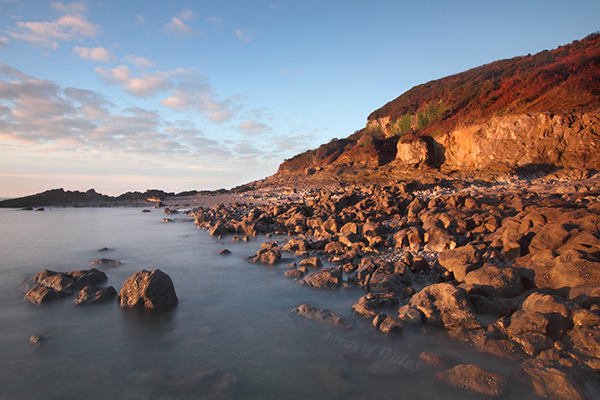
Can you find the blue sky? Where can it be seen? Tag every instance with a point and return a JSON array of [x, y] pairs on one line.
[[182, 95]]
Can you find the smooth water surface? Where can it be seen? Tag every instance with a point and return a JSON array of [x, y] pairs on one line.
[[230, 337]]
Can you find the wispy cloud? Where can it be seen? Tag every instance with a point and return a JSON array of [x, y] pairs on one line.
[[244, 35], [216, 21], [177, 26], [139, 62], [147, 84], [253, 127], [139, 20], [72, 25], [41, 114], [98, 54], [4, 41]]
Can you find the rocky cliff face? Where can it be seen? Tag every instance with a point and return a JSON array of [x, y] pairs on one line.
[[538, 140]]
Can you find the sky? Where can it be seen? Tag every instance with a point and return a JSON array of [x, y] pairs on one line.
[[200, 95]]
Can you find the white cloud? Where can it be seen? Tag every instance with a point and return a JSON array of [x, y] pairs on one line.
[[253, 127], [139, 62], [192, 95], [146, 85], [98, 54], [42, 115], [177, 26], [73, 25], [4, 41]]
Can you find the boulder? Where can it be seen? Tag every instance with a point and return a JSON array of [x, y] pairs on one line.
[[550, 237], [106, 262], [460, 260], [294, 273], [585, 295], [436, 359], [382, 282], [412, 151], [585, 340], [267, 256], [148, 290], [94, 295], [69, 280], [390, 326], [370, 304], [41, 294], [550, 383], [314, 262], [475, 379], [445, 305], [410, 315], [496, 282], [326, 316], [325, 279]]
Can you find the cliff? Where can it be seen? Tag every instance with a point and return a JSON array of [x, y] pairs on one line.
[[532, 112]]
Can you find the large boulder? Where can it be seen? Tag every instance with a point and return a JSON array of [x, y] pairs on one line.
[[496, 282], [370, 304], [412, 151], [475, 379], [148, 290], [550, 383], [460, 260], [69, 280], [325, 279], [445, 305], [94, 295], [42, 294]]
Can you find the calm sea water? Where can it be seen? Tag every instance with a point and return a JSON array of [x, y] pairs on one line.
[[230, 337]]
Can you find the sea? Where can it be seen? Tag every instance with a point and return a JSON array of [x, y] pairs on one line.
[[231, 336]]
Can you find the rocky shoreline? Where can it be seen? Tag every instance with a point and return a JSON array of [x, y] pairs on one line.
[[524, 256]]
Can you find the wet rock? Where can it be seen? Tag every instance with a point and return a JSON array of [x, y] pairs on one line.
[[370, 304], [383, 282], [496, 282], [294, 274], [550, 383], [460, 260], [475, 379], [106, 262], [445, 305], [69, 280], [325, 279], [148, 290], [390, 326], [410, 315], [326, 316], [436, 359], [224, 252], [42, 294], [334, 248], [266, 256], [313, 262], [94, 295], [37, 340]]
